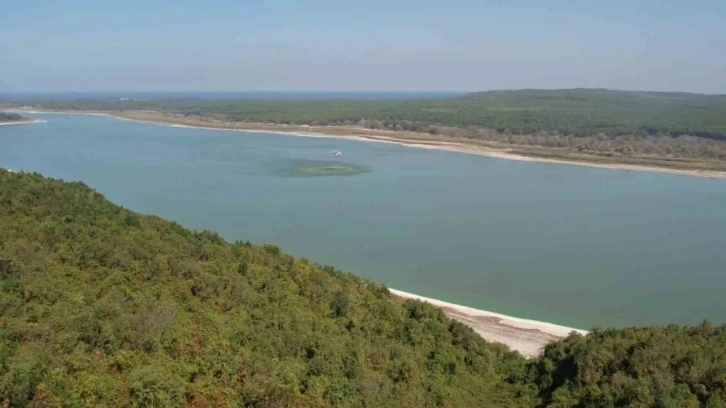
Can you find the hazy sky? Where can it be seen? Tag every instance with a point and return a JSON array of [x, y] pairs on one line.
[[374, 45]]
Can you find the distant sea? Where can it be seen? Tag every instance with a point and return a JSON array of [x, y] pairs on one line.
[[227, 95]]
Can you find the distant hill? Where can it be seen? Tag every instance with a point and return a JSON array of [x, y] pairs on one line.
[[103, 307]]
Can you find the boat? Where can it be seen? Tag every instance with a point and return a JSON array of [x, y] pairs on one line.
[[337, 152]]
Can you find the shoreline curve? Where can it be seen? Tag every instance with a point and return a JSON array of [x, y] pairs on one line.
[[438, 145], [528, 337]]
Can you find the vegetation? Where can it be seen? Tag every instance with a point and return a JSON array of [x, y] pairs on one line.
[[593, 121], [10, 117], [640, 367], [100, 306], [105, 307]]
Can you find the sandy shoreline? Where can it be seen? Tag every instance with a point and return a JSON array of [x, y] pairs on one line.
[[449, 146], [423, 144], [24, 122], [528, 337]]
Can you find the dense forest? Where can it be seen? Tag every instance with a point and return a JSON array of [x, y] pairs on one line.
[[100, 306], [590, 121], [10, 117]]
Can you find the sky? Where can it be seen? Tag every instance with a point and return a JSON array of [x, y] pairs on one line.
[[373, 45]]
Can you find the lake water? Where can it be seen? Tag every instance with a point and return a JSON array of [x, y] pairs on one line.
[[567, 244]]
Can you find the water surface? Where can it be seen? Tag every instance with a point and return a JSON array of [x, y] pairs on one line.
[[569, 244]]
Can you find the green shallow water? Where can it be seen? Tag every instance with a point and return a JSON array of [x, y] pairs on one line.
[[312, 168], [568, 244]]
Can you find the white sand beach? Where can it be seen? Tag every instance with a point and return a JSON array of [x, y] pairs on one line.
[[25, 122], [528, 337]]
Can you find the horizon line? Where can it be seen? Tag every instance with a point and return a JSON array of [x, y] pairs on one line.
[[352, 91]]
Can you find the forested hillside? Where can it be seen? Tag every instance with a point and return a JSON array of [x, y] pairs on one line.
[[100, 306], [673, 366], [105, 307]]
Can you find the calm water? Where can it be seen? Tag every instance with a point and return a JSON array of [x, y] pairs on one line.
[[567, 244]]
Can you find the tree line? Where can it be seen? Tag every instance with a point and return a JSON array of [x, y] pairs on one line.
[[591, 121], [10, 117]]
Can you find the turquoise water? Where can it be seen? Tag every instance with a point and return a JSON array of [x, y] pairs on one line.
[[568, 244]]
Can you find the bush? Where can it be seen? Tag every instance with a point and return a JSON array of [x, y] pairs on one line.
[[155, 387]]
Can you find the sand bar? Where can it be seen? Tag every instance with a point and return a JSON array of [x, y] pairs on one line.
[[528, 337], [23, 122]]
